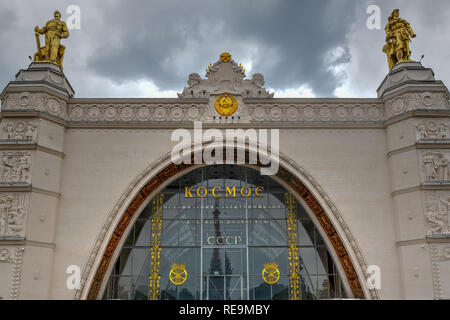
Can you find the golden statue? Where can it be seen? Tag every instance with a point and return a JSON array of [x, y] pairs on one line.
[[54, 31], [398, 36]]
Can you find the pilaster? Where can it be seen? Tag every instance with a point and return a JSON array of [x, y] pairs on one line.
[[417, 123], [32, 129]]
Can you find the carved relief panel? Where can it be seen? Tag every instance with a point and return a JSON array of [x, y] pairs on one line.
[[110, 113], [436, 211], [432, 129], [435, 166], [15, 166], [5, 256], [416, 101], [318, 112], [13, 209], [18, 130], [35, 101]]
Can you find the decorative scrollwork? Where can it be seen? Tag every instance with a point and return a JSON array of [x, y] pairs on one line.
[[155, 251], [178, 274], [294, 267], [270, 273]]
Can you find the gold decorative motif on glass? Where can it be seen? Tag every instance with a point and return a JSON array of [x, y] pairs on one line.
[[294, 267], [155, 251], [178, 274], [270, 273]]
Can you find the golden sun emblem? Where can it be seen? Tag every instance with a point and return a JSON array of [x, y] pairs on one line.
[[226, 105], [270, 273], [225, 57], [178, 274]]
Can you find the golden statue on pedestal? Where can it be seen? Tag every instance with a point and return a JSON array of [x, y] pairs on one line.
[[54, 31], [398, 36]]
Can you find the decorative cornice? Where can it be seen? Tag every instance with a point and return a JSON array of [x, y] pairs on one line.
[[421, 145], [424, 186], [25, 242], [25, 187], [27, 145], [172, 112], [413, 242]]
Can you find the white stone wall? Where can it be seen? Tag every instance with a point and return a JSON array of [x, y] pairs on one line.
[[350, 165]]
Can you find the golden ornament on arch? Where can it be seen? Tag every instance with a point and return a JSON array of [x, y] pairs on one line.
[[226, 105]]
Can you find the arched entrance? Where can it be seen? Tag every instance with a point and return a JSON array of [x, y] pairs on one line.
[[224, 232], [296, 188]]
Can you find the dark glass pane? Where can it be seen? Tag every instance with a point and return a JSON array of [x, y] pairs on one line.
[[305, 233], [125, 262], [141, 261], [142, 232], [323, 263], [308, 258]]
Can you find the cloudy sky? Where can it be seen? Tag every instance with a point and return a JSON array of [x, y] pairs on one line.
[[304, 48]]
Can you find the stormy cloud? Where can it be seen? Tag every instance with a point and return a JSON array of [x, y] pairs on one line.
[[148, 48]]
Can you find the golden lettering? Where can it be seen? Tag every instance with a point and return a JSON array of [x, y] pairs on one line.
[[256, 191], [248, 193], [204, 194], [187, 192], [214, 191], [217, 192], [229, 191]]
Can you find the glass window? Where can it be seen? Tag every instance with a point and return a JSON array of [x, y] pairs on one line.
[[224, 234]]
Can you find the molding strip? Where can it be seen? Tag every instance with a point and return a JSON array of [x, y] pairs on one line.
[[430, 186], [21, 187], [24, 145]]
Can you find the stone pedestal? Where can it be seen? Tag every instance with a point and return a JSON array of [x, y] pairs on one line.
[[32, 129], [417, 128]]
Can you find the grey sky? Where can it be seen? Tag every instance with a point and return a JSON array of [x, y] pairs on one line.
[[147, 48]]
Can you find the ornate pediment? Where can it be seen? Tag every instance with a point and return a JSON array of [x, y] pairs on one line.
[[225, 76]]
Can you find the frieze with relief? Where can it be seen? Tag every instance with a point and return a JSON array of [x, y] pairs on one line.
[[135, 113], [15, 166], [432, 129], [416, 101], [41, 102], [436, 211], [435, 166], [436, 220], [12, 214], [316, 112], [18, 130]]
